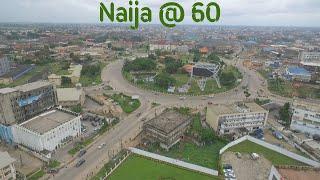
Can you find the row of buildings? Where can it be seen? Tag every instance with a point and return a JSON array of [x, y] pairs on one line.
[[29, 116]]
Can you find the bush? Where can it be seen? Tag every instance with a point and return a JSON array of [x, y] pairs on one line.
[[140, 64], [164, 80]]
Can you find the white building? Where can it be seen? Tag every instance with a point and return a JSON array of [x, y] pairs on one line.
[[7, 169], [306, 117], [47, 131], [233, 118], [310, 58]]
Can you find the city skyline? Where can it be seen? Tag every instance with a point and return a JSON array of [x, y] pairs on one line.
[[249, 13]]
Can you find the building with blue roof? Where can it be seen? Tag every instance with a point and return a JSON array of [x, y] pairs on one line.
[[295, 73]]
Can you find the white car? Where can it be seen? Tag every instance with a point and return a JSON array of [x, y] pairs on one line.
[[101, 145]]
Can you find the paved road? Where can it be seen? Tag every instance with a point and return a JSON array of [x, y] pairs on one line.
[[95, 158], [131, 125]]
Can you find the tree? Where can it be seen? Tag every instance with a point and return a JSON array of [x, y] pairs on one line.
[[164, 80], [285, 114], [140, 64], [196, 56], [172, 65], [65, 81], [227, 78], [213, 58]]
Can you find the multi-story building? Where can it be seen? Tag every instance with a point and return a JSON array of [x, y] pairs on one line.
[[235, 118], [4, 65], [167, 128], [7, 169], [310, 58], [305, 117], [47, 131], [23, 102]]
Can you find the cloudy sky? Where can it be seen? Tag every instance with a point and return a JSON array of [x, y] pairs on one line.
[[234, 12]]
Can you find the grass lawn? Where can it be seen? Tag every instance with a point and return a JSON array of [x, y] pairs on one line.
[[127, 104], [274, 157], [53, 164], [286, 89], [281, 87], [138, 168], [89, 80], [37, 70], [37, 175], [181, 79]]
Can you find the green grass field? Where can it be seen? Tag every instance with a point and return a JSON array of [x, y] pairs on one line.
[[274, 157], [127, 104], [139, 168]]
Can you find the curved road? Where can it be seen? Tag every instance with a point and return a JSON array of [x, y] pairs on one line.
[[131, 125]]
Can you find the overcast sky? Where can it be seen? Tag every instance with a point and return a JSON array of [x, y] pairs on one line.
[[234, 12]]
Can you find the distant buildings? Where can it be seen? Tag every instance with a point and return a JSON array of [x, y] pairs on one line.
[[164, 46], [298, 74], [4, 65], [236, 118], [306, 117], [47, 131], [68, 97], [7, 169], [167, 128], [310, 59]]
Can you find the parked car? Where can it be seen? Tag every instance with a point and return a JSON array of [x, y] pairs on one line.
[[52, 171], [101, 145], [82, 152], [80, 162]]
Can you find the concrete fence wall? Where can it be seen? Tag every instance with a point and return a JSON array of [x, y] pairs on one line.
[[274, 148]]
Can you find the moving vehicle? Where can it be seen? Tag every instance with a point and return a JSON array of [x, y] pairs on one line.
[[80, 162]]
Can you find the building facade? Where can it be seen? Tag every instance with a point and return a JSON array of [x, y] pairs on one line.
[[305, 117], [48, 131], [4, 65], [23, 102], [7, 168], [236, 118], [310, 58]]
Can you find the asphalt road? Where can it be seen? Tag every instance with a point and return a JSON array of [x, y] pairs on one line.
[[131, 125]]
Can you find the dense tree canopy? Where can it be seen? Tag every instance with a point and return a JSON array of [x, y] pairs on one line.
[[164, 80], [91, 70], [227, 78], [285, 114], [213, 58], [172, 65], [140, 64]]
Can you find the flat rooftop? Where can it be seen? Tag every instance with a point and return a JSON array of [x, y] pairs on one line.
[[237, 108], [32, 86], [47, 121], [168, 121]]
